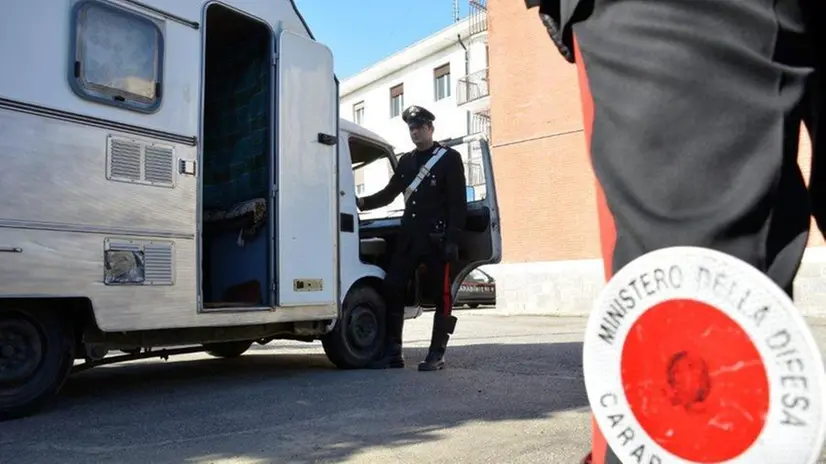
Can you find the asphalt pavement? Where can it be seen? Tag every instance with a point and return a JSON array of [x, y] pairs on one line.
[[512, 393]]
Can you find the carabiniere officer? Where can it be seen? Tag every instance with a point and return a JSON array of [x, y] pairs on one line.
[[432, 179]]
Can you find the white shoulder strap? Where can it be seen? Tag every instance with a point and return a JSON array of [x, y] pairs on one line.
[[438, 153]]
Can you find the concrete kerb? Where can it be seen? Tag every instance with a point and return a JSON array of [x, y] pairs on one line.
[[569, 288], [491, 311]]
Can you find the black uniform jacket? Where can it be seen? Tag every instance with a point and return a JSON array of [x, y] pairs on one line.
[[439, 199]]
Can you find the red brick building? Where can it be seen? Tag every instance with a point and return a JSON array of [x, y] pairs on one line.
[[551, 256]]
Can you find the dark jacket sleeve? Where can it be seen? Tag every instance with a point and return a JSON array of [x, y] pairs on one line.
[[386, 195], [557, 16], [456, 196]]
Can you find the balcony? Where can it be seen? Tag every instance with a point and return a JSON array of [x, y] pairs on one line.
[[478, 12], [473, 91], [480, 124]]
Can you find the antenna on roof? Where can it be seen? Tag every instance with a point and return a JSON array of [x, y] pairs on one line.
[[455, 11]]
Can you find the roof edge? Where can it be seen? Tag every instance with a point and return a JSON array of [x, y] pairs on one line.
[[425, 47]]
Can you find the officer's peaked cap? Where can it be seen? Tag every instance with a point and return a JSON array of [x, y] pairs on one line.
[[417, 115]]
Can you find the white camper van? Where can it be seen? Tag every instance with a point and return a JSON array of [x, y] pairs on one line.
[[175, 177]]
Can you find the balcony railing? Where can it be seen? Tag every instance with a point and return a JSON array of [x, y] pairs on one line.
[[478, 13], [472, 87], [480, 124]]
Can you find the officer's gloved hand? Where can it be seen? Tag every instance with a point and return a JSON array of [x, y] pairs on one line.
[[451, 250]]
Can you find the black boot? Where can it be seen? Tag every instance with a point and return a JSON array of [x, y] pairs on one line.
[[443, 326], [392, 357]]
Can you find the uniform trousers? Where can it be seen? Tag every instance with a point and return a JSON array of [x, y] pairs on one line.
[[403, 265], [692, 112]]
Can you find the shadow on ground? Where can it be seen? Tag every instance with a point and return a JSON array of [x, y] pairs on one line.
[[270, 407]]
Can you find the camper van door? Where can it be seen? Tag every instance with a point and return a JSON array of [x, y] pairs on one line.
[[306, 173]]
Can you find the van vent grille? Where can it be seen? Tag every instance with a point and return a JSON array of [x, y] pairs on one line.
[[140, 162], [125, 160], [158, 259], [158, 263], [159, 164]]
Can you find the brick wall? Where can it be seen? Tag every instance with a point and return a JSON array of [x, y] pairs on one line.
[[805, 160], [544, 181]]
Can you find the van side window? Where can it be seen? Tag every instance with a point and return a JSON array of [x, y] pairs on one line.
[[118, 57]]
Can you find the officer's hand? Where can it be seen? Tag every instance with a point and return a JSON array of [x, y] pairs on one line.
[[451, 252]]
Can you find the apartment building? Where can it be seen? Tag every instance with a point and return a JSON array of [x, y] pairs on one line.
[[447, 73]]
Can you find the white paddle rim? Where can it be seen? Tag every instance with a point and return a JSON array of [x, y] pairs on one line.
[[706, 276]]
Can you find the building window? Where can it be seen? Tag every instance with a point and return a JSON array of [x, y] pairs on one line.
[[118, 56], [396, 100], [359, 189], [358, 113], [441, 82]]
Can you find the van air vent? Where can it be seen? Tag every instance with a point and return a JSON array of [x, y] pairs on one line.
[[157, 266], [140, 162]]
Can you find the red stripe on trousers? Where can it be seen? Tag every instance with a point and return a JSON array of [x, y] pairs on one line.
[[446, 291], [607, 230]]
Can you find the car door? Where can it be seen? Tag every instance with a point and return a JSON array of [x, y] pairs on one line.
[[481, 242]]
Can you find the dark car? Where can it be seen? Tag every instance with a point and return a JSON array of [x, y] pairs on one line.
[[478, 288]]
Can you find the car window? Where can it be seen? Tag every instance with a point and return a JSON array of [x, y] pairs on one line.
[[371, 177], [476, 276]]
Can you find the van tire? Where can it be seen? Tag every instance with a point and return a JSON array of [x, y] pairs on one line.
[[358, 336], [227, 349], [44, 340]]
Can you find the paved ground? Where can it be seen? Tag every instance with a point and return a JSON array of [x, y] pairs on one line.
[[513, 394]]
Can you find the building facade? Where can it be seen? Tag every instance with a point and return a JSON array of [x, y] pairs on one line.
[[445, 73], [544, 181]]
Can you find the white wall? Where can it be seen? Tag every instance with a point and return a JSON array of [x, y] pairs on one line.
[[451, 121], [477, 53]]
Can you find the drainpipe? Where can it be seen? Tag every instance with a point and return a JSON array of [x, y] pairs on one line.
[[467, 73]]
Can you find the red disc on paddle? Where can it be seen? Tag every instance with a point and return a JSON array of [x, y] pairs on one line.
[[695, 381]]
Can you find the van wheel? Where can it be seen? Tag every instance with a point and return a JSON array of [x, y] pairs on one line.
[[36, 357], [358, 336], [227, 349]]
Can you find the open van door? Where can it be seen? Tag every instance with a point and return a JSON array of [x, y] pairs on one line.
[[481, 242], [306, 174]]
